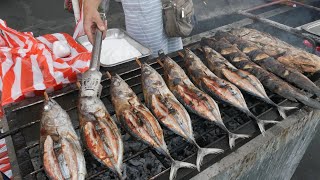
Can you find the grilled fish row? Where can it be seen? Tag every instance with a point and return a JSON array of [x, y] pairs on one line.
[[242, 79], [217, 87], [285, 53], [269, 80], [168, 110], [259, 56], [140, 122], [192, 98]]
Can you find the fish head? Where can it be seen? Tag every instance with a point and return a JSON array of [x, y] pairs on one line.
[[49, 104], [53, 114], [206, 49], [150, 77], [121, 93], [189, 54], [240, 31], [119, 87], [173, 73]]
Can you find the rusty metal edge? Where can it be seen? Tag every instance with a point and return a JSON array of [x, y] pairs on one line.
[[221, 166]]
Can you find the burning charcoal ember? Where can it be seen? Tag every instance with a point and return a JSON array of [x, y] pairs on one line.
[[277, 98], [242, 118], [260, 108], [183, 151], [143, 167], [232, 125], [131, 145], [95, 167]]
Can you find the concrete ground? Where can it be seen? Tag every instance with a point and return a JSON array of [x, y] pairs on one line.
[[45, 16]]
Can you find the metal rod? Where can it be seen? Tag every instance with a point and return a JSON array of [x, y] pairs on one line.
[[96, 51], [265, 5], [280, 26]]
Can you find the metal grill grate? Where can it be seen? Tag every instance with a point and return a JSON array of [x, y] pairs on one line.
[[140, 161]]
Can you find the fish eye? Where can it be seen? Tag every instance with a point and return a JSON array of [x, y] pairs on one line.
[[147, 72], [117, 82], [46, 107]]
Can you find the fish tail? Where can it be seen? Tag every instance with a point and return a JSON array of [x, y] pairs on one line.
[[282, 110], [262, 123], [233, 137], [177, 165], [119, 173], [202, 152], [308, 101]]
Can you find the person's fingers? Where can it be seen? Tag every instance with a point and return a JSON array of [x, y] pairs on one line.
[[100, 24], [88, 30]]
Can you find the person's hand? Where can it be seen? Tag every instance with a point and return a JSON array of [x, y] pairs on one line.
[[92, 19]]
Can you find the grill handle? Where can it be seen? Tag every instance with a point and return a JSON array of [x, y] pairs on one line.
[[96, 50]]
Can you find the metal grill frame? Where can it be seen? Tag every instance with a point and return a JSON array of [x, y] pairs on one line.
[[132, 68]]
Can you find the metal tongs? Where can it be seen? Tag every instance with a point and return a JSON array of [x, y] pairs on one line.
[[90, 83]]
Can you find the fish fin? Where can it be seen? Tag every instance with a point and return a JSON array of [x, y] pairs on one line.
[[308, 101], [261, 124], [282, 110], [202, 152], [119, 173], [233, 137], [177, 165]]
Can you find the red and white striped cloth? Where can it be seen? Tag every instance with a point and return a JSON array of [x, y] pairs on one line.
[[27, 64], [5, 166]]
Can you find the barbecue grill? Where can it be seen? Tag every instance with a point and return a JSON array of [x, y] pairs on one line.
[[21, 123]]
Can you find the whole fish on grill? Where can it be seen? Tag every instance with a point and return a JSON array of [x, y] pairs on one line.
[[168, 110], [269, 63], [285, 53], [59, 144], [193, 98], [139, 121], [269, 80], [242, 79], [217, 87], [100, 133]]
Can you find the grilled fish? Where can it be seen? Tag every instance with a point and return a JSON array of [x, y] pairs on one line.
[[285, 53], [139, 121], [168, 110], [269, 63], [242, 79], [269, 80], [100, 133], [217, 87], [62, 154], [193, 98]]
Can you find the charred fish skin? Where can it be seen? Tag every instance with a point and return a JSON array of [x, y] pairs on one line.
[[269, 63], [168, 110], [162, 103], [100, 133], [223, 90], [62, 154], [193, 98], [242, 79], [140, 122], [210, 83], [269, 80], [285, 53]]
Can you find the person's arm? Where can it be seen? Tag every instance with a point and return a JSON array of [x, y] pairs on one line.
[[92, 19]]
